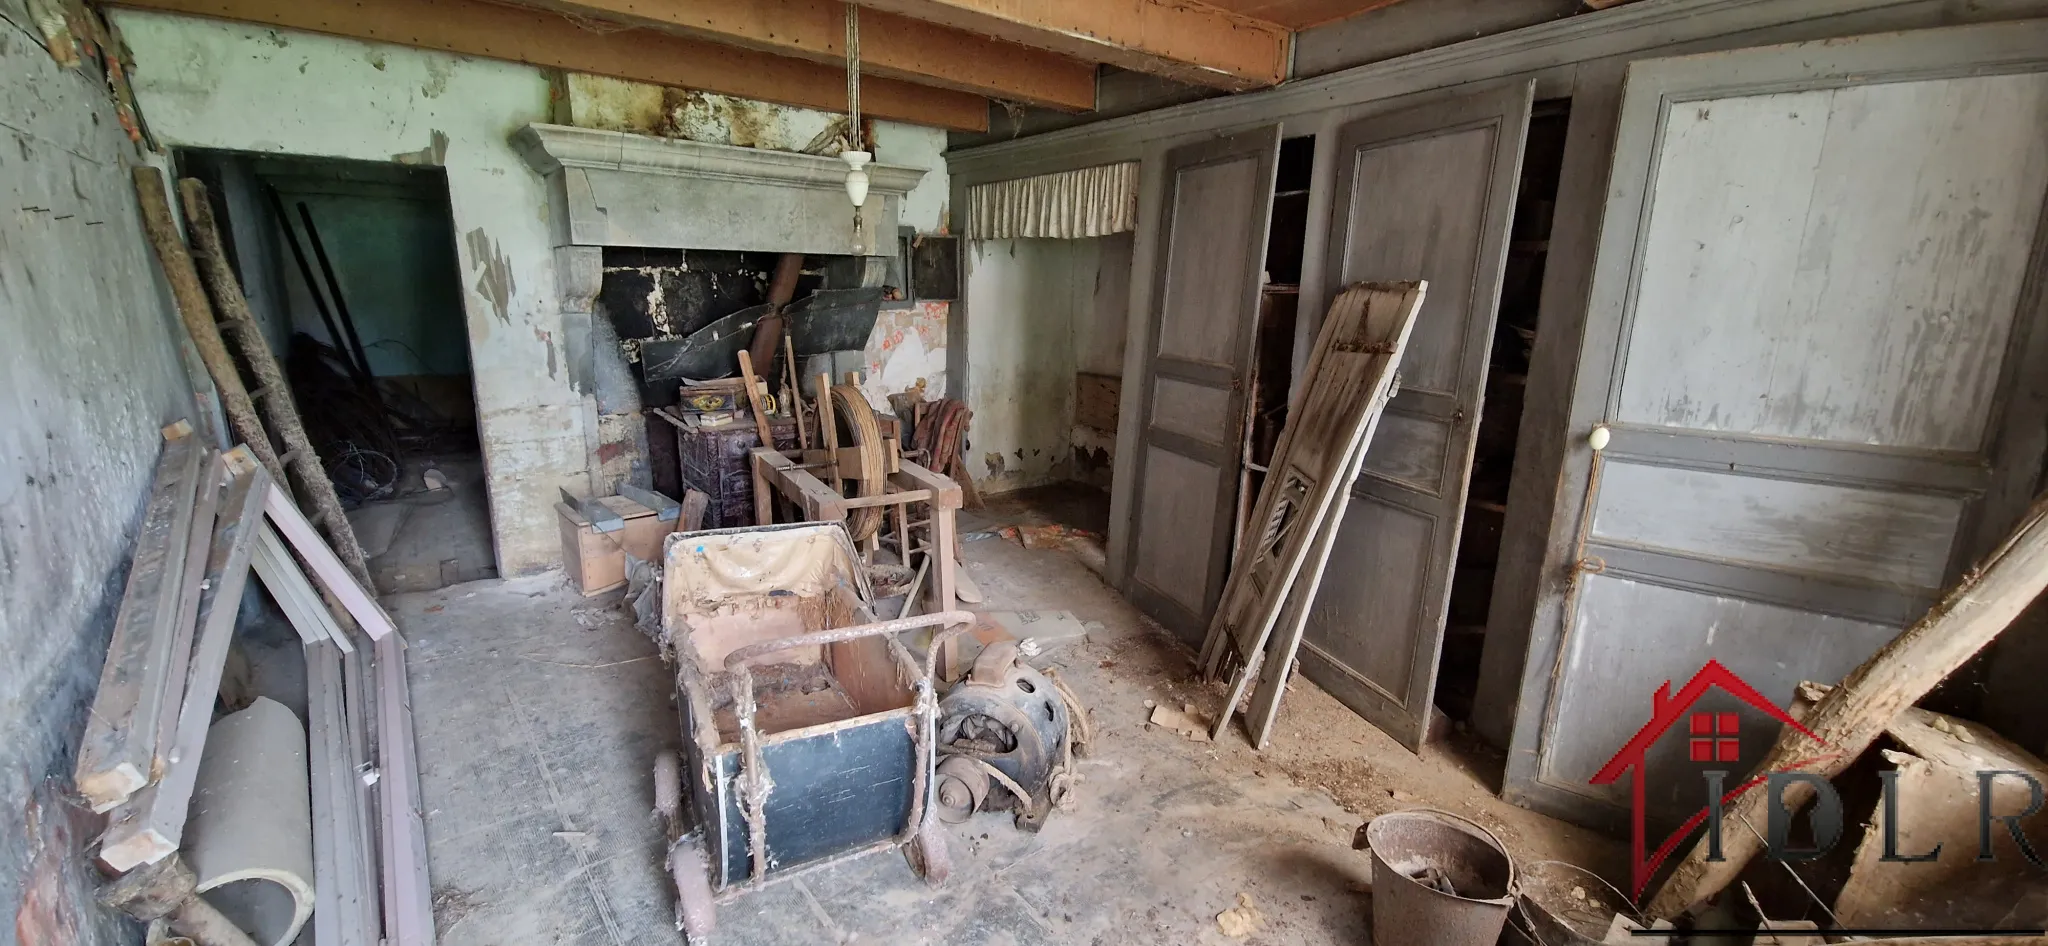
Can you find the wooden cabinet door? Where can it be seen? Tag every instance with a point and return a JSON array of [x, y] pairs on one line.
[[1427, 193], [1813, 341], [1211, 263]]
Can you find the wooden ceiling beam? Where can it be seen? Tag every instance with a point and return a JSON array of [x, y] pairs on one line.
[[542, 38], [1183, 41], [890, 46]]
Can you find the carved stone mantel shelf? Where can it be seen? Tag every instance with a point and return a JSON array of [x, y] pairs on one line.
[[609, 188]]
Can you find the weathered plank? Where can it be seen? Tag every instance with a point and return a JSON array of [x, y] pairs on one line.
[[151, 824], [409, 919], [294, 593], [1350, 378], [1350, 381], [1278, 665], [1852, 715], [345, 879], [117, 756], [198, 551], [326, 565]]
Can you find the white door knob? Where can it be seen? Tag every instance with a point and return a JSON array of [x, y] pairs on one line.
[[1598, 438]]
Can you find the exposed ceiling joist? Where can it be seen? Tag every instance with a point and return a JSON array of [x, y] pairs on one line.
[[890, 46], [1300, 14], [1183, 41], [542, 38]]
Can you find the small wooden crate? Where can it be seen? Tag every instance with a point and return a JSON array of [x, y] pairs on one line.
[[596, 561]]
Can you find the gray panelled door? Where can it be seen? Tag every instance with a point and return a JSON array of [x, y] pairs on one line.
[[1205, 302], [1427, 193], [1813, 339]]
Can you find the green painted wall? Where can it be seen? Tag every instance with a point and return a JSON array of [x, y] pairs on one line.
[[394, 255]]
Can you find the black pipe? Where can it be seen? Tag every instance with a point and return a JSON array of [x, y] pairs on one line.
[[355, 342], [358, 372]]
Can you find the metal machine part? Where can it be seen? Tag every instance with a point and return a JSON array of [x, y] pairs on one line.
[[1002, 733]]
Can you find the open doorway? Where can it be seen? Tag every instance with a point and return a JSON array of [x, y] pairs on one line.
[[1500, 416], [350, 268]]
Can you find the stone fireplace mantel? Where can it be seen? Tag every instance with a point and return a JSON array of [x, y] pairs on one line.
[[609, 188]]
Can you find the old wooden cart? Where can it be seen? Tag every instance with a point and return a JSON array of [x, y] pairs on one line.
[[808, 724]]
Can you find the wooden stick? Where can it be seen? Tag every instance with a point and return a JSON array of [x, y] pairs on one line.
[[695, 502], [796, 400], [197, 313], [278, 409], [764, 496], [828, 428], [1852, 715], [754, 401]]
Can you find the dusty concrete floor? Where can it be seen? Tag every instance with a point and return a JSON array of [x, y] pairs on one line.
[[538, 713], [427, 539]]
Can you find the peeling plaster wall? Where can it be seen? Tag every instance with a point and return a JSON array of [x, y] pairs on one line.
[[1100, 327], [1024, 294], [610, 104], [205, 83], [89, 371], [1043, 310]]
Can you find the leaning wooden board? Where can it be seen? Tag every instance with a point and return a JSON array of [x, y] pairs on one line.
[[327, 566], [1278, 664], [151, 824], [118, 754], [1350, 380]]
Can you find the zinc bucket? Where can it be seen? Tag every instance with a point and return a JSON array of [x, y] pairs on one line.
[[1437, 880]]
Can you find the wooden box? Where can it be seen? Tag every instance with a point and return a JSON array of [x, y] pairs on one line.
[[596, 561], [714, 462]]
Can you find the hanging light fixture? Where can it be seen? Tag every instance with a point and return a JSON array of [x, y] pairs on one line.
[[855, 157]]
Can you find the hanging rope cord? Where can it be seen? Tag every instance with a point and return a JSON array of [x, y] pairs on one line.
[[853, 77]]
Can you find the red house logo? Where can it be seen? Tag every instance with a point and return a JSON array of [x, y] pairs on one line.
[[1710, 737]]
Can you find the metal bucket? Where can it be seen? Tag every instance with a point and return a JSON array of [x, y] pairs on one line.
[[1567, 905], [1414, 854]]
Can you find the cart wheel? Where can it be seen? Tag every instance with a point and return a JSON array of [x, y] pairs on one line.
[[927, 854], [696, 912], [668, 784]]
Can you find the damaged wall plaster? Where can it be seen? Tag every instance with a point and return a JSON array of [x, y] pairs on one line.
[[611, 104], [1042, 308], [219, 85], [909, 345], [89, 373], [1099, 328]]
